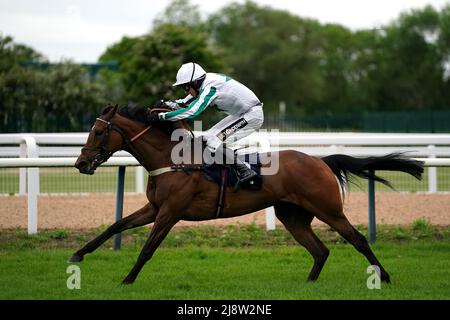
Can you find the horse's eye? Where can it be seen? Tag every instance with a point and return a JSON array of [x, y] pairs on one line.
[[98, 133]]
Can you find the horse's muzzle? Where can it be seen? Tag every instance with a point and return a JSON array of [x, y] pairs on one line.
[[85, 167]]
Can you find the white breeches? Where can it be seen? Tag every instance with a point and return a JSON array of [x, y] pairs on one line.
[[232, 128]]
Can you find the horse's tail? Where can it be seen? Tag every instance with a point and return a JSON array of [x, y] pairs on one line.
[[344, 167]]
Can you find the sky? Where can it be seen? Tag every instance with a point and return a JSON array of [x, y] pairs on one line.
[[81, 30]]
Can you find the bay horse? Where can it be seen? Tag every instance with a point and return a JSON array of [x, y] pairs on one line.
[[304, 187]]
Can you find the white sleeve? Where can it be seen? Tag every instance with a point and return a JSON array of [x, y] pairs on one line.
[[194, 109], [179, 103]]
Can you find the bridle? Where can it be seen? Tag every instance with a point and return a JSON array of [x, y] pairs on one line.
[[103, 154]]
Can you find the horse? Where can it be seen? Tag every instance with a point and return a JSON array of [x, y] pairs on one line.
[[304, 187]]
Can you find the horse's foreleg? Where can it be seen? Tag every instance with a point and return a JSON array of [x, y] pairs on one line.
[[165, 220], [143, 216]]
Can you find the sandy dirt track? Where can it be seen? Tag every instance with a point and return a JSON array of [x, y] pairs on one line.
[[91, 211]]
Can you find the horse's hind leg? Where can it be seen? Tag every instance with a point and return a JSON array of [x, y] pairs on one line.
[[345, 229], [143, 216], [298, 222]]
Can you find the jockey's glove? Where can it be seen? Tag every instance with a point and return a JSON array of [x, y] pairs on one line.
[[159, 104], [152, 117]]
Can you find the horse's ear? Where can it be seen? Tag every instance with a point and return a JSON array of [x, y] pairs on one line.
[[110, 111]]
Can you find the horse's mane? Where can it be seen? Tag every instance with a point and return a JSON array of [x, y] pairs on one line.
[[140, 114], [134, 113]]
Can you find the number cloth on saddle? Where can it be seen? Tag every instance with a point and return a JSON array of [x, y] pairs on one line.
[[213, 173]]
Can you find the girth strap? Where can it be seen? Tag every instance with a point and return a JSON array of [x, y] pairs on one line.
[[176, 168], [222, 191], [159, 171]]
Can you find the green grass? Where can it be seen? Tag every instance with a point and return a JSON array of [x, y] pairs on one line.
[[237, 236], [236, 262], [418, 271]]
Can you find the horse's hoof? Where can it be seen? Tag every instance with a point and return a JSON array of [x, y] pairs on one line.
[[127, 281], [75, 258]]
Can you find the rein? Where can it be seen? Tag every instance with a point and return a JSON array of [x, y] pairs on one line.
[[104, 155], [140, 134]]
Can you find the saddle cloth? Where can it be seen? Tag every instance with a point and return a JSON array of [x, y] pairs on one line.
[[213, 173]]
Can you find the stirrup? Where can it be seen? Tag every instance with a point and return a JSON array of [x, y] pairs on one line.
[[241, 181]]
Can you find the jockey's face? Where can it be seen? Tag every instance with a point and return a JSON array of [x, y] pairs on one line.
[[192, 92], [189, 90]]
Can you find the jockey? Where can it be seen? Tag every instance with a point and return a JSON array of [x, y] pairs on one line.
[[244, 109]]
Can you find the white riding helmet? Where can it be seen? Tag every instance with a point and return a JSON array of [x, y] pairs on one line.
[[189, 72]]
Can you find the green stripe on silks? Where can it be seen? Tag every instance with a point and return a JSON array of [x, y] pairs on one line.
[[208, 97], [174, 113]]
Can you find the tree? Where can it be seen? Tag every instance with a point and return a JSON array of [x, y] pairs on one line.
[[55, 98], [444, 50], [148, 64], [409, 75], [67, 100], [271, 51], [337, 56], [182, 13], [328, 68], [12, 54], [15, 83]]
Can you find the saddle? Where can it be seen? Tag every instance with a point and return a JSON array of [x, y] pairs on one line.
[[219, 172], [225, 176]]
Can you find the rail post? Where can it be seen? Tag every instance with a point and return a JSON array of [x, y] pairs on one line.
[[23, 171], [32, 185], [139, 179], [432, 171], [119, 203], [372, 223], [264, 146]]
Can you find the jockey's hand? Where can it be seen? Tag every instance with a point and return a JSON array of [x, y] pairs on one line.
[[152, 117]]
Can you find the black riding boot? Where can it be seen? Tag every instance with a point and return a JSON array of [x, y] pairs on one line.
[[243, 172]]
